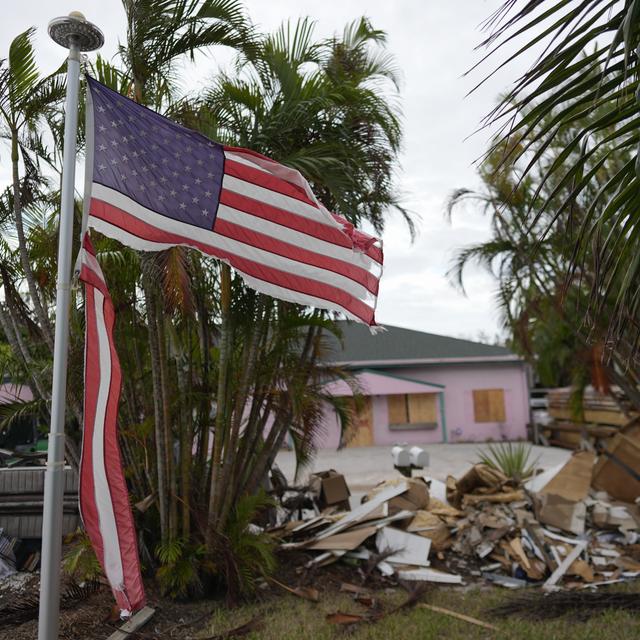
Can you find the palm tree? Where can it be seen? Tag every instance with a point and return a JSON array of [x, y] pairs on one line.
[[216, 377], [585, 78], [159, 35], [316, 107], [327, 109], [542, 310], [26, 100]]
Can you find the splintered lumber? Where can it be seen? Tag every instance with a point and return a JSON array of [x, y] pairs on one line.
[[363, 511], [530, 529], [506, 496], [615, 418], [565, 564], [459, 616], [133, 624]]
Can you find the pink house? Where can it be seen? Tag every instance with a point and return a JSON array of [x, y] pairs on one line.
[[422, 388]]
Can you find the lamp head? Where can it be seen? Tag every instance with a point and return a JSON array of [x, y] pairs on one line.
[[75, 29]]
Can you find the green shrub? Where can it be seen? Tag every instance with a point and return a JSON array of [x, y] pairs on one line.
[[80, 561], [250, 552], [182, 566]]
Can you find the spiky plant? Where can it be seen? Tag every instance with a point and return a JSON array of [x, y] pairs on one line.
[[513, 459]]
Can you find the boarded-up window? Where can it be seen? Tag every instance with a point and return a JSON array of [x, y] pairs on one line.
[[361, 432], [488, 405], [414, 410]]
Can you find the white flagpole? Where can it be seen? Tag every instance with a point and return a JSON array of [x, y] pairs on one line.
[[76, 34]]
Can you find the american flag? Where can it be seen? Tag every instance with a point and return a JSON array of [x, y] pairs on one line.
[[152, 184], [156, 184], [104, 499]]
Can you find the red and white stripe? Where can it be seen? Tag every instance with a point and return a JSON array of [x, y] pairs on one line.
[[104, 499], [270, 228]]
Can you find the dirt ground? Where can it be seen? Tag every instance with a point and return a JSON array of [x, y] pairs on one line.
[[94, 617]]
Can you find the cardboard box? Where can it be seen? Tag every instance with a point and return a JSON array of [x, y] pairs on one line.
[[561, 502], [617, 473], [415, 498], [559, 512], [331, 489]]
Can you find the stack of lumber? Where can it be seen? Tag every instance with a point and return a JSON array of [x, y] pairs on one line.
[[601, 418]]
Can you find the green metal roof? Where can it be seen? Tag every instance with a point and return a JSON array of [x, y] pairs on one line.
[[404, 346]]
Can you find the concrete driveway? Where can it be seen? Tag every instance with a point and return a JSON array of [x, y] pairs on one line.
[[364, 467]]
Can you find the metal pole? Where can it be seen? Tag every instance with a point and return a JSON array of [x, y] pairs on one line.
[[75, 33], [48, 621]]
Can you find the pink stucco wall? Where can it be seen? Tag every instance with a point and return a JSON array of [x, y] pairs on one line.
[[459, 381]]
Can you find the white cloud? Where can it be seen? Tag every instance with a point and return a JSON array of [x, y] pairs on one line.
[[433, 43]]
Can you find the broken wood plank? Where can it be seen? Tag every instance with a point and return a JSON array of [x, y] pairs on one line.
[[516, 546], [565, 564], [459, 616], [540, 545], [134, 623], [307, 593], [361, 512], [429, 575], [508, 496]]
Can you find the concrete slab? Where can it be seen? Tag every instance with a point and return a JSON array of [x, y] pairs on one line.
[[364, 467]]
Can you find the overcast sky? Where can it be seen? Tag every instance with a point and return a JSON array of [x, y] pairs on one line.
[[433, 42]]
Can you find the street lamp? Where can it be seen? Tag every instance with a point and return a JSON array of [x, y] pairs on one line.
[[76, 33]]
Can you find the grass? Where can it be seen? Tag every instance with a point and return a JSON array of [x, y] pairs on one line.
[[287, 618]]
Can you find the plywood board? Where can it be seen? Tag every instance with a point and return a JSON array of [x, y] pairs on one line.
[[397, 405], [129, 628], [362, 426], [345, 541], [488, 405], [573, 481], [423, 407]]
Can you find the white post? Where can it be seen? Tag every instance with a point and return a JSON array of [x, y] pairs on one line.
[[75, 33]]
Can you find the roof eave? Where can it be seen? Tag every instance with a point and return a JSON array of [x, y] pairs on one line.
[[511, 358]]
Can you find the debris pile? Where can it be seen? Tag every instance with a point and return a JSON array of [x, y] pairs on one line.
[[559, 529]]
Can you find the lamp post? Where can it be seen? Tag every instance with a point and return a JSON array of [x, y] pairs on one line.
[[77, 34]]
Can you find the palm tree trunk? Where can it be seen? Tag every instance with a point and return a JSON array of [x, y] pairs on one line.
[[186, 431], [231, 468], [154, 351], [43, 319], [166, 423], [20, 351], [221, 415], [263, 461], [204, 405]]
